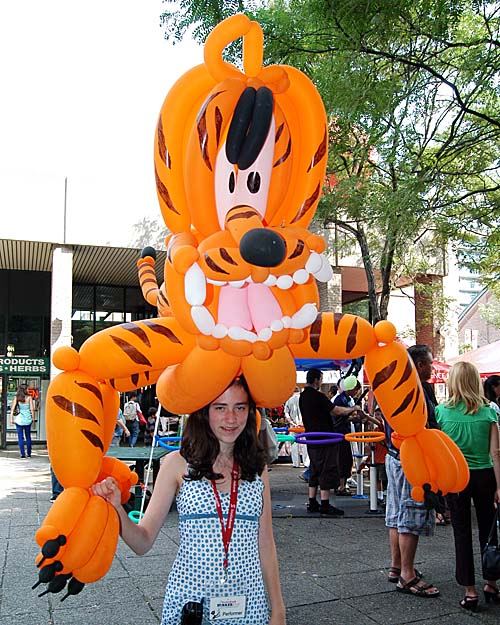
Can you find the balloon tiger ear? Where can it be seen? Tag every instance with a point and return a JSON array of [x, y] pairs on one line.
[[66, 358]]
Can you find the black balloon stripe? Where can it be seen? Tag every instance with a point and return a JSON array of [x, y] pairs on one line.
[[92, 388], [383, 375], [404, 404], [406, 374], [93, 439], [74, 409], [132, 352], [159, 329], [138, 332]]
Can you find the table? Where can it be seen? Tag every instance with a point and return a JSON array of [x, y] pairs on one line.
[[139, 455]]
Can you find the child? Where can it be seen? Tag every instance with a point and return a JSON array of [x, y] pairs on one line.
[[150, 427], [220, 482]]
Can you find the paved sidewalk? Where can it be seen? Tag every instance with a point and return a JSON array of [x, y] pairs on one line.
[[333, 571]]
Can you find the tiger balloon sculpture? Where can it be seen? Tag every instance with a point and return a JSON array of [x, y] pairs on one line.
[[240, 160]]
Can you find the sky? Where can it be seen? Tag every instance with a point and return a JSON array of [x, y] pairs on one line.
[[82, 84]]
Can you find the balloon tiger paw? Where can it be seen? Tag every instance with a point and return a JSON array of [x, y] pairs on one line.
[[77, 541]]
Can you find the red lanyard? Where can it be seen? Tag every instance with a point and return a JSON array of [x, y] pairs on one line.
[[227, 531]]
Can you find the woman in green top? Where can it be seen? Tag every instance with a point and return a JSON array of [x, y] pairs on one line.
[[469, 420]]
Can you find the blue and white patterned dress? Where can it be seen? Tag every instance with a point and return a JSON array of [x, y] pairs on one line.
[[201, 551]]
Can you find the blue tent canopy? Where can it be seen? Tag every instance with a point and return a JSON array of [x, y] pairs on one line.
[[303, 364]]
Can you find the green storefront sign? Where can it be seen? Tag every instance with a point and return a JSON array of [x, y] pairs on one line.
[[23, 365]]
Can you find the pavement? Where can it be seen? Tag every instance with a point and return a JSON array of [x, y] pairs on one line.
[[333, 570]]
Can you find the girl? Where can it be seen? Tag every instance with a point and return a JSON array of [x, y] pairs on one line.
[[227, 556], [23, 419], [469, 420]]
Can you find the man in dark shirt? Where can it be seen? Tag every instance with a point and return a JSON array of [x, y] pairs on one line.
[[317, 412], [407, 519]]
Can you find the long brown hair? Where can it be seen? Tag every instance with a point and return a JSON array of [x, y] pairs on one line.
[[200, 447], [21, 393]]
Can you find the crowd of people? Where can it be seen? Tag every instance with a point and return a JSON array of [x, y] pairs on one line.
[[219, 480]]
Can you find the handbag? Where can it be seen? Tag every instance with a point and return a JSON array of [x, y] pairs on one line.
[[491, 554], [16, 410]]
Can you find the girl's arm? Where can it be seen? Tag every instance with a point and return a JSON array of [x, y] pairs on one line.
[[140, 538], [269, 558], [32, 407], [12, 410], [495, 456]]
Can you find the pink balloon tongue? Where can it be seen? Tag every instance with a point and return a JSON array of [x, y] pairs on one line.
[[264, 307], [252, 307], [233, 308]]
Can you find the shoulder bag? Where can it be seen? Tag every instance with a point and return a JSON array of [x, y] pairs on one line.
[[491, 554]]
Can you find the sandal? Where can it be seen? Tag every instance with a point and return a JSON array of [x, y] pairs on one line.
[[394, 574], [343, 492], [417, 588], [469, 602]]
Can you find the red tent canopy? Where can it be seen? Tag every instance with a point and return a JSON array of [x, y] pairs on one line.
[[439, 372], [486, 359]]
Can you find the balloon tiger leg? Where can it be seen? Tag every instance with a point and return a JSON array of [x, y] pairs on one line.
[[431, 461]]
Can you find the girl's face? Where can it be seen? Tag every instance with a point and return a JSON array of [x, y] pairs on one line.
[[496, 389], [228, 414]]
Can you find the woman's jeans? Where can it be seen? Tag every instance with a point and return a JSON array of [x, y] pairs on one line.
[[24, 431]]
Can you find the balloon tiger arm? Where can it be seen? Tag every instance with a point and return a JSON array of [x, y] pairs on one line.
[[182, 251], [77, 541]]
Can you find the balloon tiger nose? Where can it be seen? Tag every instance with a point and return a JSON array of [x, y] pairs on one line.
[[262, 247]]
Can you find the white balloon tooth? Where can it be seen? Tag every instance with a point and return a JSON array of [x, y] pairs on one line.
[[301, 276], [325, 272], [277, 325], [287, 321], [240, 334], [313, 263], [270, 280], [203, 319], [249, 279], [284, 282], [304, 317], [220, 331], [216, 282], [264, 334], [237, 284], [195, 287]]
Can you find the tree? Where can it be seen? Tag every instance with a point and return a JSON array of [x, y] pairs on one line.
[[412, 90], [149, 231]]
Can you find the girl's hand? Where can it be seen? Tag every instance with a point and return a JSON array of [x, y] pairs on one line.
[[108, 490], [497, 496], [277, 618]]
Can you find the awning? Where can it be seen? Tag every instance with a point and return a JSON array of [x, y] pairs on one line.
[[486, 359]]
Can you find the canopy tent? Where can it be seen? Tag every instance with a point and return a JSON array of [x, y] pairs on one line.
[[303, 364], [439, 372], [486, 359]]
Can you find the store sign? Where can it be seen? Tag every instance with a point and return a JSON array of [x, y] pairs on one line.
[[23, 364]]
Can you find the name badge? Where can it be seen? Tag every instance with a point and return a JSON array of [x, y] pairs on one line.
[[227, 607]]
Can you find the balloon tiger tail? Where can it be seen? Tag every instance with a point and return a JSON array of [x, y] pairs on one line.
[[152, 293]]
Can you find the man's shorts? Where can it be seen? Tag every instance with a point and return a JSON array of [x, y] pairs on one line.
[[401, 511], [324, 466]]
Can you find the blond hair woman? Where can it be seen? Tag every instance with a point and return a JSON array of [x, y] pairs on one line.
[[469, 420]]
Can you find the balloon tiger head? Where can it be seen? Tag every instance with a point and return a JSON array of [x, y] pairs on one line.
[[240, 160]]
